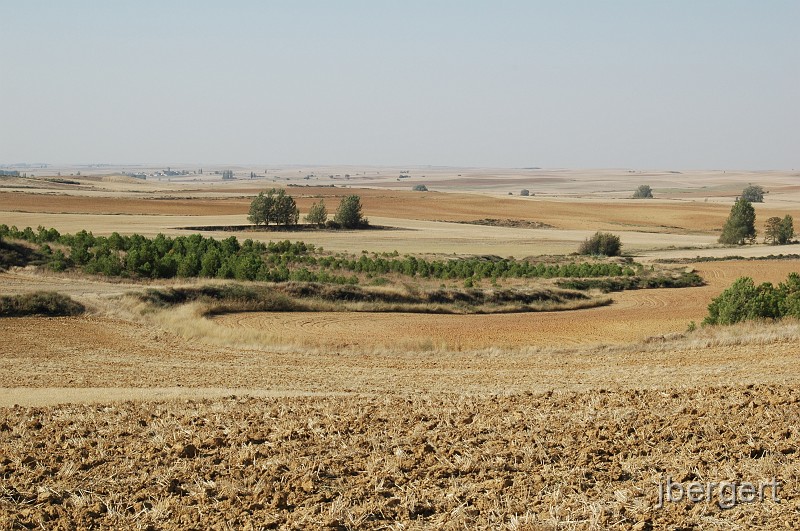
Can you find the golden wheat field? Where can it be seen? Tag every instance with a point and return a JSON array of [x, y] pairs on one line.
[[138, 417]]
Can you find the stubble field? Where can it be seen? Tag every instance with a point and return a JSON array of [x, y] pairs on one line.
[[555, 420]]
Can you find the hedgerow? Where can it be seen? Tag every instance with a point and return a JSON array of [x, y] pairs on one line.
[[197, 256]]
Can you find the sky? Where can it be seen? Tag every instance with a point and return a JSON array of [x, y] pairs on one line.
[[696, 84]]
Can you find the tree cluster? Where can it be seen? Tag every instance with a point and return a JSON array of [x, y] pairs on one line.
[[753, 193], [227, 175], [779, 231], [273, 207]]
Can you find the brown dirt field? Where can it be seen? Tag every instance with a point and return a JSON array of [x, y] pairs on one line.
[[473, 439], [74, 204], [581, 214], [540, 461]]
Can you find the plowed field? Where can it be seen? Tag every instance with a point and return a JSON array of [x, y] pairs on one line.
[[551, 461]]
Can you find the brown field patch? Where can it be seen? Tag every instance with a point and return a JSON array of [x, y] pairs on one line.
[[634, 316]]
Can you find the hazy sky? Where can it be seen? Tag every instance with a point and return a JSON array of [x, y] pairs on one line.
[[642, 84]]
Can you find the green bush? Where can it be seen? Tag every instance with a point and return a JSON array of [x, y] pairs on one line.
[[420, 188], [601, 243], [744, 301], [643, 192]]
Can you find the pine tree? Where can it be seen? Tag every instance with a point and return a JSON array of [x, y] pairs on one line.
[[741, 224], [348, 215], [317, 214]]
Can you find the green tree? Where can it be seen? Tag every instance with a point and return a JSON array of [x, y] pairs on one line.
[[317, 214], [753, 193], [420, 188], [643, 192], [786, 230], [525, 192], [772, 230], [261, 209], [285, 208], [349, 214], [740, 226]]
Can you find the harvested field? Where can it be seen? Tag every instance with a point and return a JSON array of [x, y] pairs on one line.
[[659, 216]]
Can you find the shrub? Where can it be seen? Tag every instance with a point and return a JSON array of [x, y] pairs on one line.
[[753, 193], [420, 188], [745, 301], [740, 227], [47, 303], [643, 192], [602, 243], [524, 192]]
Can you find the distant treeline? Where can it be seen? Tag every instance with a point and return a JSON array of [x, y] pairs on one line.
[[197, 256]]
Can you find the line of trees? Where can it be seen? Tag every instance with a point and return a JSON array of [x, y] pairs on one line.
[[197, 256]]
